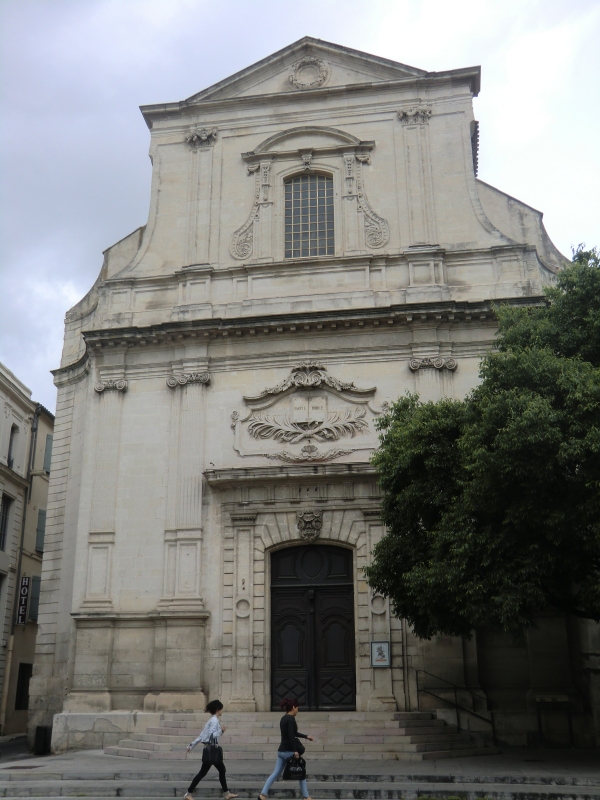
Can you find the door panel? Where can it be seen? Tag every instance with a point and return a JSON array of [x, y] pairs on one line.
[[312, 626], [289, 650], [335, 648]]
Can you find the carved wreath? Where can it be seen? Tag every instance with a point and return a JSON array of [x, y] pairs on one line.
[[318, 80], [333, 427]]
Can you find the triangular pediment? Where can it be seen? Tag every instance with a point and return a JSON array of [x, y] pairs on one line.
[[307, 64]]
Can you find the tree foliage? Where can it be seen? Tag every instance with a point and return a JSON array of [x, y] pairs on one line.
[[492, 504]]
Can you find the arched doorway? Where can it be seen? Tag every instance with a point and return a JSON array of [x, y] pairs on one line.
[[312, 627]]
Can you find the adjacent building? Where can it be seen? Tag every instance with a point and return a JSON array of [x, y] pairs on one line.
[[318, 244], [26, 430]]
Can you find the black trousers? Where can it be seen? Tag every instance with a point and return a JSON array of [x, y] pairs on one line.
[[205, 767]]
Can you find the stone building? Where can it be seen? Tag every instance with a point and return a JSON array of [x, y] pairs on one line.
[[318, 243], [25, 452]]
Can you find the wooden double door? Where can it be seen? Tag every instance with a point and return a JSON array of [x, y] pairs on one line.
[[312, 627]]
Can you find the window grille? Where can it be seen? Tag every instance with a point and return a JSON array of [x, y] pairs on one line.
[[309, 216]]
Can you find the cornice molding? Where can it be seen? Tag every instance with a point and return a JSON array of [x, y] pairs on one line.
[[449, 312], [471, 76], [313, 473], [452, 311], [9, 474], [101, 619]]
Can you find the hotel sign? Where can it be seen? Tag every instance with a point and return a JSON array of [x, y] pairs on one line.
[[23, 600]]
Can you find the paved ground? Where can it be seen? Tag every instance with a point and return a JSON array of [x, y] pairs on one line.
[[515, 762], [517, 774]]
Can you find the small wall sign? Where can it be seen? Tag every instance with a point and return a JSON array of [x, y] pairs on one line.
[[23, 598], [380, 654]]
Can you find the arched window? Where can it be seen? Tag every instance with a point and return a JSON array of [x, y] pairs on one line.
[[309, 216]]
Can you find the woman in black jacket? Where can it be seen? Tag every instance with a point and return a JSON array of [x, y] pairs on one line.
[[287, 748]]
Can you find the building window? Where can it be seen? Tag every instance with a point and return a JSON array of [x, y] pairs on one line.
[[309, 216], [4, 513], [22, 694], [12, 444]]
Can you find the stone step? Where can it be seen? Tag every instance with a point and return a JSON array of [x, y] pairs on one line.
[[439, 750], [376, 735], [269, 716], [437, 734], [303, 722], [177, 736]]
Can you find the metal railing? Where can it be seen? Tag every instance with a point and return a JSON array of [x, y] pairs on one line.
[[457, 706]]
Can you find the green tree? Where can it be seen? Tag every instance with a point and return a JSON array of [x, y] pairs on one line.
[[492, 504]]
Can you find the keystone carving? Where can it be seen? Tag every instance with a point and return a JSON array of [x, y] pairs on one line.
[[432, 363], [109, 386], [419, 115], [187, 377], [201, 137], [309, 524]]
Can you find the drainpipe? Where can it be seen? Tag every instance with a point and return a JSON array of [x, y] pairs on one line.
[[26, 501]]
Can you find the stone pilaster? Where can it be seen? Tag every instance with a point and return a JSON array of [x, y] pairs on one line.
[[242, 544], [183, 532], [101, 538]]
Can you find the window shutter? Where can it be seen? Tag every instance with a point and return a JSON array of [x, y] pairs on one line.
[[40, 530], [48, 452], [34, 602]]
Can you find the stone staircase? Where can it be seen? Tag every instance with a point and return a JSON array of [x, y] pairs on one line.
[[403, 736]]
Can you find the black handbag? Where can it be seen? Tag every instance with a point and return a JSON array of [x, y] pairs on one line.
[[300, 749], [295, 769], [212, 753]]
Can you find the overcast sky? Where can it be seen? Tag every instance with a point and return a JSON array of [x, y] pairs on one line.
[[75, 169]]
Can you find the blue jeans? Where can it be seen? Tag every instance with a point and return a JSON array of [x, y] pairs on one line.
[[282, 757]]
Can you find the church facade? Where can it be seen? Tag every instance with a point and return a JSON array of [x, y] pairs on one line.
[[318, 244]]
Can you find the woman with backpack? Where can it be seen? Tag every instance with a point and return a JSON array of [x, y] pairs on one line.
[[210, 736], [288, 747]]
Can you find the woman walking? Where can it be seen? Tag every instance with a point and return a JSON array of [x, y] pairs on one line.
[[211, 733], [287, 748]]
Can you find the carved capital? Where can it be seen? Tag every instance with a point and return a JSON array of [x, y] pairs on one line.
[[108, 386], [418, 115], [432, 363], [173, 381], [309, 524], [198, 136]]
